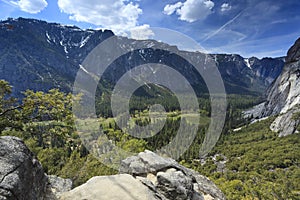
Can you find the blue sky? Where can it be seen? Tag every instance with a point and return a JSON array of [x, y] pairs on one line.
[[261, 28]]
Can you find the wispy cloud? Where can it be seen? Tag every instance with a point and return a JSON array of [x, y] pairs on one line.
[[259, 47], [280, 21], [221, 28]]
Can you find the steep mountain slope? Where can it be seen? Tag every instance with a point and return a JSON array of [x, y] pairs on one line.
[[252, 73], [283, 96], [38, 55]]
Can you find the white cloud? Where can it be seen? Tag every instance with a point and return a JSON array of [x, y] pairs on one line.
[[141, 32], [31, 6], [170, 9], [225, 7], [190, 10], [118, 15]]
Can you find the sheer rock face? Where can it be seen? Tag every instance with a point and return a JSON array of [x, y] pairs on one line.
[[21, 175], [283, 97], [150, 177]]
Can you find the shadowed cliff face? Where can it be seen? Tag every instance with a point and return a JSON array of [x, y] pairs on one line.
[[38, 55]]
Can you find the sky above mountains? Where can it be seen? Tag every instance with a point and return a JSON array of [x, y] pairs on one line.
[[261, 28]]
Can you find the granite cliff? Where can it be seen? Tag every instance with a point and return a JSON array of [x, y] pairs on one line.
[[283, 96]]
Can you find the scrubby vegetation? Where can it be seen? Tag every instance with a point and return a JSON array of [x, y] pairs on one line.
[[252, 163], [259, 164]]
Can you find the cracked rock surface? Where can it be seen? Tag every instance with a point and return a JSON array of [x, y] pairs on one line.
[[21, 175], [148, 176]]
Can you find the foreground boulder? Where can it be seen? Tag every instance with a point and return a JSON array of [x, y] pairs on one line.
[[21, 175], [150, 177], [123, 186], [146, 176]]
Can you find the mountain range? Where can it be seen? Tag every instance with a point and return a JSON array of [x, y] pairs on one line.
[[38, 55]]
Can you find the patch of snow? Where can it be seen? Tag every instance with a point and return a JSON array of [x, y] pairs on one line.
[[248, 63], [42, 78], [66, 49], [83, 42], [215, 58], [258, 120], [234, 58], [89, 31], [83, 69], [151, 44], [141, 53], [148, 86], [237, 129], [47, 35]]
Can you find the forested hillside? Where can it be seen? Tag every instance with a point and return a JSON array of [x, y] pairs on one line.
[[253, 163]]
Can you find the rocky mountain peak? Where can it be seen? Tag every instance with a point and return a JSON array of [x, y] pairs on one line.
[[293, 54]]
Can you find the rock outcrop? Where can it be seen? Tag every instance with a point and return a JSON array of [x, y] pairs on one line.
[[293, 54], [283, 97], [146, 176], [21, 175], [150, 177], [56, 187], [123, 186]]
